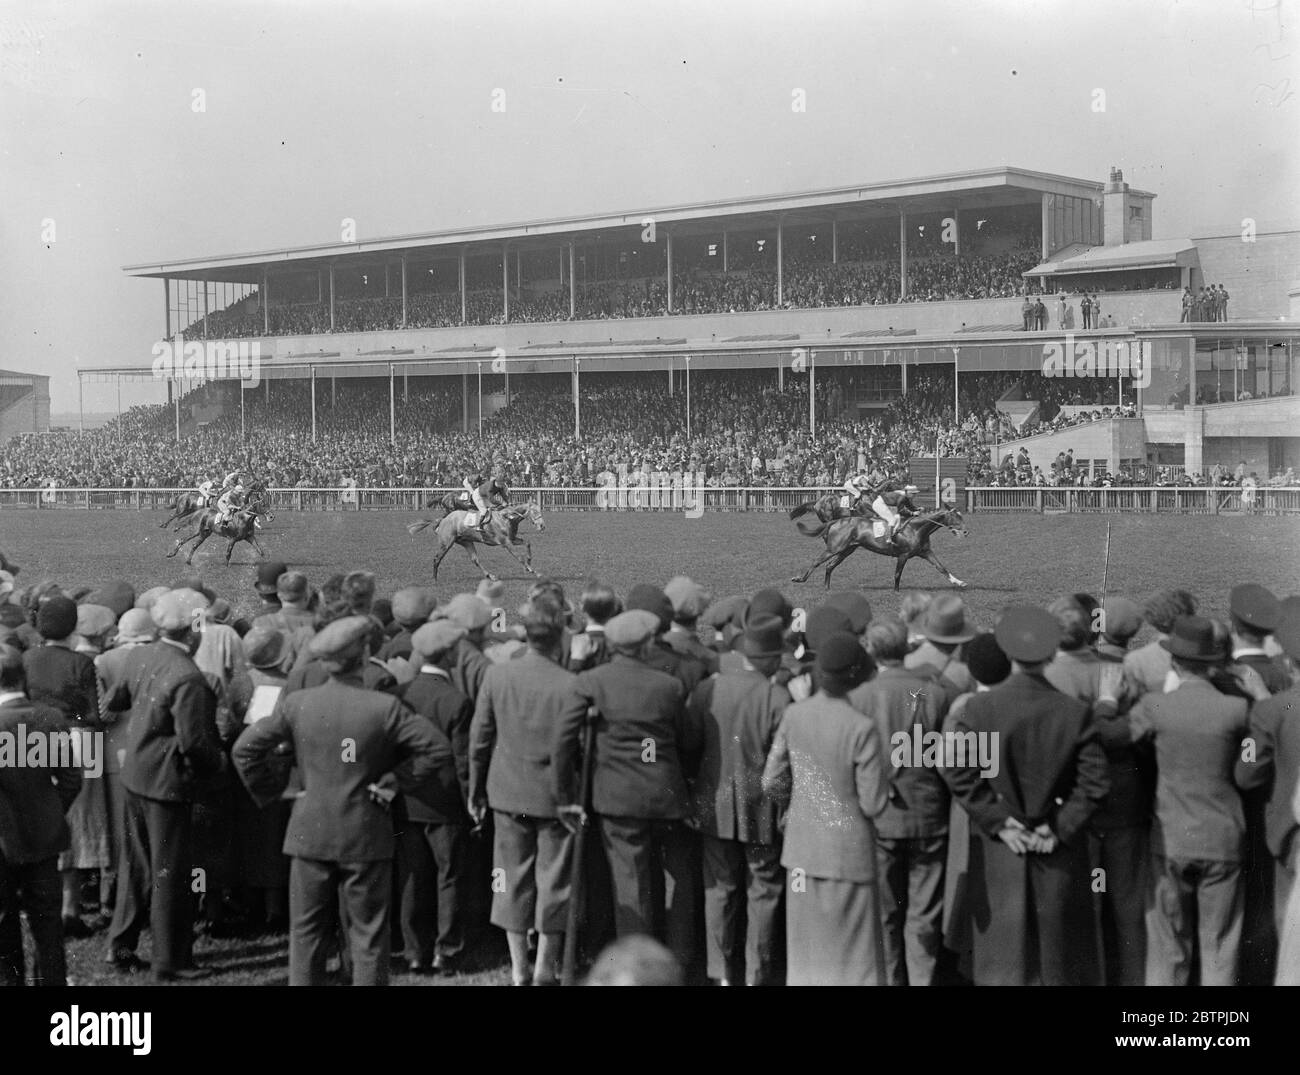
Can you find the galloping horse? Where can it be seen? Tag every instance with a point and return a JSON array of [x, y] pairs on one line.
[[242, 527], [186, 504], [502, 526], [911, 539]]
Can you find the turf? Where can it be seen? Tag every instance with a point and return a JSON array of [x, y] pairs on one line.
[[1006, 559]]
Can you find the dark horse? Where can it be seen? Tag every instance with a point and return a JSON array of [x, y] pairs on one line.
[[911, 539], [502, 530], [186, 504], [242, 527], [457, 500]]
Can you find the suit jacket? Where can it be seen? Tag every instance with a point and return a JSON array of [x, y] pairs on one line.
[[111, 674], [397, 646], [285, 619], [828, 760], [588, 649], [1273, 674], [171, 740], [1275, 729], [951, 668], [515, 723], [65, 679], [899, 701], [470, 668], [1197, 733], [1148, 666], [687, 669], [645, 742], [738, 714], [687, 643], [344, 738], [442, 800], [1051, 767], [33, 801]]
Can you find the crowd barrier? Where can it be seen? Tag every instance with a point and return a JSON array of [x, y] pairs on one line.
[[1164, 500], [1176, 500]]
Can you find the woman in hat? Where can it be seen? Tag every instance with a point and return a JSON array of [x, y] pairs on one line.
[[827, 762]]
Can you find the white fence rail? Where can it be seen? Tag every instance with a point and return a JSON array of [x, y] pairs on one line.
[[1179, 500]]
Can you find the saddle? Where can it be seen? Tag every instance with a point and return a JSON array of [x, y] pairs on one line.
[[470, 522]]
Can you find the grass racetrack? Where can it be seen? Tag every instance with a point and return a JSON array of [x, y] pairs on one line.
[[1006, 559]]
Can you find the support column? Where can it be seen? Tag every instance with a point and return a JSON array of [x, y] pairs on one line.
[[406, 386], [573, 287], [464, 317], [505, 284], [334, 392], [902, 256], [577, 405], [956, 234], [320, 287], [464, 401], [167, 306], [1046, 225], [386, 288], [780, 261], [331, 297], [392, 405], [312, 376], [266, 303], [1194, 440], [835, 241], [205, 309], [403, 291], [81, 410], [780, 374], [670, 271], [724, 250], [480, 399], [519, 269], [956, 384], [687, 360], [505, 372], [812, 393], [177, 411], [670, 376], [242, 428]]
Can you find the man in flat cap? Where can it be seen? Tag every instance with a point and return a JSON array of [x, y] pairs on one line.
[[912, 833], [432, 860], [1253, 614], [645, 744], [171, 745], [292, 595], [738, 713], [412, 607], [471, 612], [689, 600], [1029, 867], [350, 745], [515, 722], [683, 666]]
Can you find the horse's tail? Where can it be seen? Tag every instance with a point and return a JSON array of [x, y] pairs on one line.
[[803, 509], [809, 527], [415, 528]]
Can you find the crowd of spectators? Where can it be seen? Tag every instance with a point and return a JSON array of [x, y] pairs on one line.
[[744, 430]]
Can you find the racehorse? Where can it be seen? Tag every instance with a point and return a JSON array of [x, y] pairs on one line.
[[186, 504], [502, 526], [242, 527], [911, 539], [457, 500]]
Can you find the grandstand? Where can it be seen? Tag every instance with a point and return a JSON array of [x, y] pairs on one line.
[[24, 404], [851, 296]]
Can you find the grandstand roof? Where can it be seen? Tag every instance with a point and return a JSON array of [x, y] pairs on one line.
[[980, 188], [1148, 254]]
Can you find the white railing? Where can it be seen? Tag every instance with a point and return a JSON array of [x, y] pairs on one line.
[[1179, 500], [1164, 500]]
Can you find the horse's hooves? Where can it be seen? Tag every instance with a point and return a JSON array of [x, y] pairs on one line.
[[959, 584]]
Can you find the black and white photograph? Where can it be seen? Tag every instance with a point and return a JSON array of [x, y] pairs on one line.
[[673, 494]]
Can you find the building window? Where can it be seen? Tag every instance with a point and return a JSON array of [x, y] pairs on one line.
[[1135, 212]]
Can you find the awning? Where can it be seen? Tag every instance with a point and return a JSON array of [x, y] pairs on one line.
[[1129, 257]]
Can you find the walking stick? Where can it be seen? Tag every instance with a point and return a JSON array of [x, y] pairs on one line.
[[569, 970], [1105, 571]]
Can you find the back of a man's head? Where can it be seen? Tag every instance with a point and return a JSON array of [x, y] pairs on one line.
[[635, 960]]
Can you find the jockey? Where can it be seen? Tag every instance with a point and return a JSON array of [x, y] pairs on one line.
[[230, 480], [206, 491], [485, 493], [230, 501], [857, 486], [893, 503]]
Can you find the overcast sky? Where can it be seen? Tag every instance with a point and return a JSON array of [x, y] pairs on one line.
[[381, 111]]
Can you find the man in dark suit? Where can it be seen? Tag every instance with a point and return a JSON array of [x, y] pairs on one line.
[[1272, 761], [1198, 842], [912, 833], [33, 830], [738, 713], [688, 669], [600, 604], [515, 722], [689, 600], [349, 745], [171, 744], [432, 856], [411, 609], [1030, 896], [645, 743], [1253, 614], [473, 614]]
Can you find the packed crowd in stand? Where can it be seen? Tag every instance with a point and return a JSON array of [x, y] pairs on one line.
[[805, 284], [744, 431], [875, 782]]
